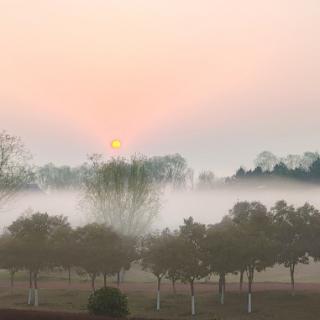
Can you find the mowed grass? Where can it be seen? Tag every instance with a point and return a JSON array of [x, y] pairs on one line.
[[266, 305], [56, 295]]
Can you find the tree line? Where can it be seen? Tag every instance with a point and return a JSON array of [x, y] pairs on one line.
[[17, 174], [170, 170], [249, 239], [304, 168], [39, 242]]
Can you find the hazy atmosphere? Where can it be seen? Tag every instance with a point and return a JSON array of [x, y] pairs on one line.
[[198, 78], [159, 159]]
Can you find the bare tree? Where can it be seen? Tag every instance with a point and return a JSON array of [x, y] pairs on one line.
[[15, 172], [266, 160], [206, 180], [120, 193]]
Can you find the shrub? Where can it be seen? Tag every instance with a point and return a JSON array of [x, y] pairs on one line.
[[108, 301]]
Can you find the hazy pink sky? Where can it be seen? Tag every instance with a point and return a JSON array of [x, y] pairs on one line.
[[216, 80]]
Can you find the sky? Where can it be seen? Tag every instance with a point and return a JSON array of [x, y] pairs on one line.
[[217, 81]]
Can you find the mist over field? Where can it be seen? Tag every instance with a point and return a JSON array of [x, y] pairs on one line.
[[206, 206], [160, 159]]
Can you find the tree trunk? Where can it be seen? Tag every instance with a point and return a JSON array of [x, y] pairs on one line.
[[36, 297], [30, 288], [223, 288], [241, 279], [12, 280], [250, 280], [193, 307], [158, 294], [104, 279], [292, 266], [118, 279], [93, 279], [174, 286], [123, 274], [69, 275]]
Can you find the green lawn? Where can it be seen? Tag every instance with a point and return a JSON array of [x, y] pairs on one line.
[[266, 305]]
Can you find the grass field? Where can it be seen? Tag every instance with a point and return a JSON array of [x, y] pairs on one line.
[[271, 300], [268, 304]]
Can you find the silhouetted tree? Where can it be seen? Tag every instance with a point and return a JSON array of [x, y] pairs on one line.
[[32, 244], [291, 228], [154, 257], [266, 161], [15, 172], [193, 267], [96, 249], [258, 248], [206, 180], [222, 251], [121, 194]]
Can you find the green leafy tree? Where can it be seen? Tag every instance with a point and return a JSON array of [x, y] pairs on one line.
[[96, 250], [125, 254], [32, 245], [193, 265], [292, 233], [222, 248], [174, 258], [258, 248], [314, 234], [154, 255], [9, 256], [64, 250]]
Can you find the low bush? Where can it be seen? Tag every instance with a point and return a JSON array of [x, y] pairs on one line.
[[109, 302]]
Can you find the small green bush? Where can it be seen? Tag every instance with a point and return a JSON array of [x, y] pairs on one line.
[[108, 302]]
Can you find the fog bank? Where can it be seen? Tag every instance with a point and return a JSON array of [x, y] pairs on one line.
[[205, 206]]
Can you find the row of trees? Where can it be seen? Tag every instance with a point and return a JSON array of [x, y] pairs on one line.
[[166, 170], [42, 242], [303, 168], [248, 240], [16, 172]]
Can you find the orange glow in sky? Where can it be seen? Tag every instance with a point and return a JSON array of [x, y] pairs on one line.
[[162, 75]]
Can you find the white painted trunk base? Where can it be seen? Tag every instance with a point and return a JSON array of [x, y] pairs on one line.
[[193, 307], [158, 300], [36, 298], [222, 296], [249, 303], [30, 296]]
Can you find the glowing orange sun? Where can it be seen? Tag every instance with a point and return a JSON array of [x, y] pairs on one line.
[[116, 144]]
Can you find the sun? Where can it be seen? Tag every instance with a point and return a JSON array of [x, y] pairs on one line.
[[116, 144]]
